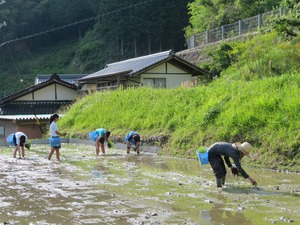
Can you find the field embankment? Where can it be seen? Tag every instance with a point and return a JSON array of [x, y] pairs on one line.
[[264, 112]]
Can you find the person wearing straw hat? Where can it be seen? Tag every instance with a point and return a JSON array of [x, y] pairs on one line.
[[236, 151]]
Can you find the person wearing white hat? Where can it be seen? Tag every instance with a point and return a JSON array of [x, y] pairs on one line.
[[236, 151]]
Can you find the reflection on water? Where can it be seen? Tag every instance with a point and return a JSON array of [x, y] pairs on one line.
[[221, 213]]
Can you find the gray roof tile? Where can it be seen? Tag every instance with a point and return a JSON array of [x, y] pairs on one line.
[[130, 66]]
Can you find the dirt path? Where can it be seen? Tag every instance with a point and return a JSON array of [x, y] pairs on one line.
[[115, 189]]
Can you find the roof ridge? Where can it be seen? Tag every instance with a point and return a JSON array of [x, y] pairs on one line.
[[168, 53]]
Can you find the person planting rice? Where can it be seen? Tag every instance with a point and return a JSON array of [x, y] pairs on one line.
[[135, 139], [103, 136], [55, 139], [20, 140], [236, 151]]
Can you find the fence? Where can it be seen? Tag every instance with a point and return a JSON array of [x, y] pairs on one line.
[[241, 27]]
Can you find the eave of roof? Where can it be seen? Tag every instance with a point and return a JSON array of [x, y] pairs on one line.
[[28, 107], [25, 117], [173, 59], [94, 77]]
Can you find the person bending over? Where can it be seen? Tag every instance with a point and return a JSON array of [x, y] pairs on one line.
[[236, 151]]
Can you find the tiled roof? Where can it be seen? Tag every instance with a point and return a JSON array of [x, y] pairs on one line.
[[129, 66], [26, 117], [134, 66], [70, 78], [25, 107]]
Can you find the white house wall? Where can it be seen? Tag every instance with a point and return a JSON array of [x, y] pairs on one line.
[[134, 81], [87, 87], [174, 76], [48, 93], [64, 93]]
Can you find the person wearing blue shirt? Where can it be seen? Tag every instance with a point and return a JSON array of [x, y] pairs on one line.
[[135, 139], [103, 136], [236, 152]]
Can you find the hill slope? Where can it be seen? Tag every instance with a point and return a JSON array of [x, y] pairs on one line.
[[263, 112]]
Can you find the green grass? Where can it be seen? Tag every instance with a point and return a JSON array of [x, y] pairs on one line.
[[263, 112]]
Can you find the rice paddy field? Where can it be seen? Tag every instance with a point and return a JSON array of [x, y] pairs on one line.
[[128, 189]]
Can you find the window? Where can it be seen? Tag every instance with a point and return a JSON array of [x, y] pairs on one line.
[[155, 82], [2, 131]]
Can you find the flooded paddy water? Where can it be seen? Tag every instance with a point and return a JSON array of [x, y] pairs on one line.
[[145, 189]]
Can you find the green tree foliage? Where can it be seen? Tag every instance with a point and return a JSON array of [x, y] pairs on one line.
[[156, 23], [207, 14], [116, 30], [288, 25], [220, 58], [262, 56], [160, 22]]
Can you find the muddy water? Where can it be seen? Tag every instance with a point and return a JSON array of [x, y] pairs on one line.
[[145, 189]]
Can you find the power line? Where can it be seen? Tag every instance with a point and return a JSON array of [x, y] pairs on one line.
[[75, 23], [14, 62]]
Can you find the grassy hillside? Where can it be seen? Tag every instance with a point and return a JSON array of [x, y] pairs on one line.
[[264, 112]]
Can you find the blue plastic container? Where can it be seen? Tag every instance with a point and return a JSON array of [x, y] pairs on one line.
[[10, 139], [93, 136], [54, 142], [203, 157]]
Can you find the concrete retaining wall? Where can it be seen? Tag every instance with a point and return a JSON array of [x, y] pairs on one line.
[[144, 148]]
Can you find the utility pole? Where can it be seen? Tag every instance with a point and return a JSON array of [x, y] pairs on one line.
[[4, 24]]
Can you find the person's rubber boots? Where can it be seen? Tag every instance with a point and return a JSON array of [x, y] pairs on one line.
[[223, 180], [219, 182]]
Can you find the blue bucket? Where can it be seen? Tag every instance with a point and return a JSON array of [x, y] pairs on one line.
[[203, 157], [54, 142], [93, 136], [10, 139]]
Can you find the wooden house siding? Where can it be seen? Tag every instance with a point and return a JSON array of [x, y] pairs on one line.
[[51, 92], [173, 75]]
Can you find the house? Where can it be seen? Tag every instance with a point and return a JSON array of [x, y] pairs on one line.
[[163, 69], [26, 108]]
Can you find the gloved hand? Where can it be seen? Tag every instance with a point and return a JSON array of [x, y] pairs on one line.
[[234, 171], [253, 182]]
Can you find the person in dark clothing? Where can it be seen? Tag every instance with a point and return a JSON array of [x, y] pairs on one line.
[[236, 151]]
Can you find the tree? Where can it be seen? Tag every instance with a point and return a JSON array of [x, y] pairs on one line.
[[288, 25], [208, 14]]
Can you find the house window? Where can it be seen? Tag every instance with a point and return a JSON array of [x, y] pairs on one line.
[[112, 83], [2, 131], [101, 85], [155, 82]]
